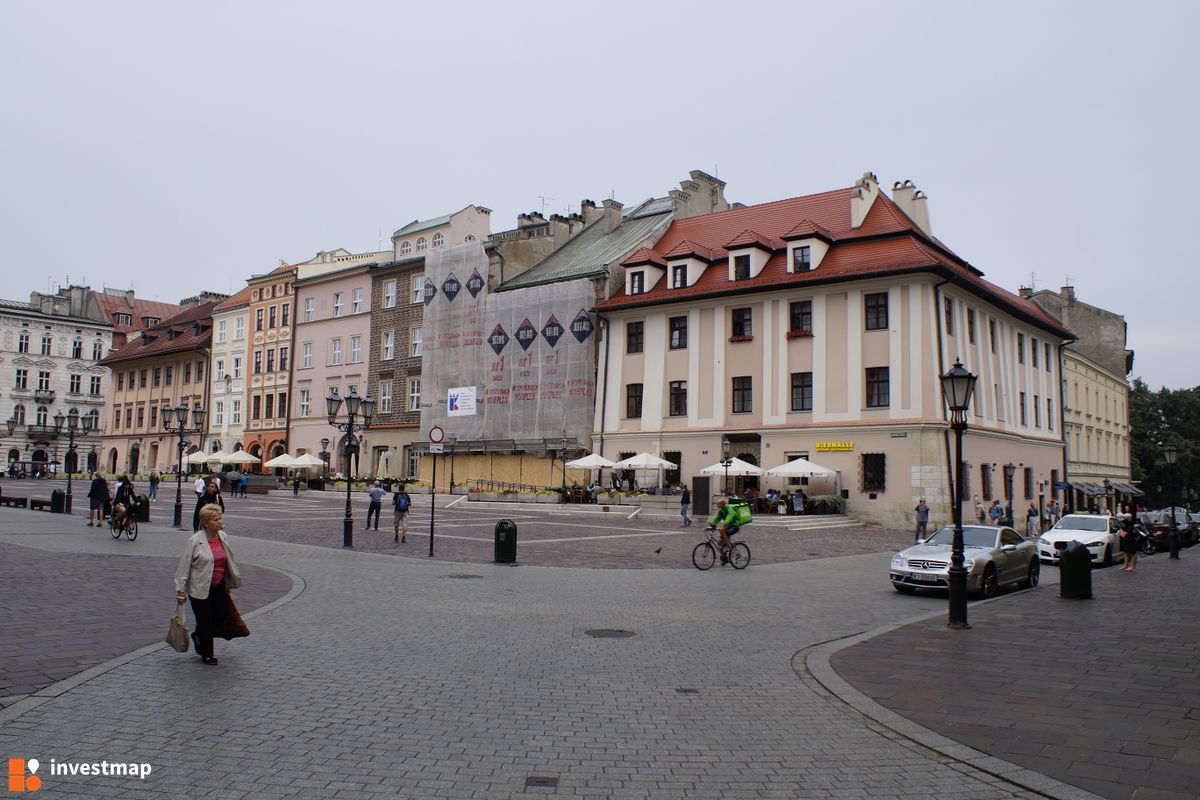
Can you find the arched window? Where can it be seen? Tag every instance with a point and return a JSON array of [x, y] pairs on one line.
[[405, 248], [14, 455], [421, 243], [470, 237], [19, 413], [438, 240], [43, 416]]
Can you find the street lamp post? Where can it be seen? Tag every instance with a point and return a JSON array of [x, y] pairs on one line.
[[1108, 496], [453, 443], [324, 458], [73, 421], [726, 461], [175, 421], [562, 454], [957, 387], [1171, 454], [356, 408]]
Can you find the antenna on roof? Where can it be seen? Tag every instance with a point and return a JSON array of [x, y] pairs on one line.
[[716, 172], [1033, 281], [544, 200]]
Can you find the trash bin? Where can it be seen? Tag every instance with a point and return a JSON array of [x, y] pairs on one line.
[[316, 483], [1075, 573], [506, 542], [58, 501], [142, 514]]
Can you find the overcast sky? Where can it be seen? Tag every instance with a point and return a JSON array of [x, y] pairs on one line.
[[175, 147]]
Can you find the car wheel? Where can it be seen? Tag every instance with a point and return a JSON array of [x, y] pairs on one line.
[[1033, 576], [990, 583], [903, 588], [1107, 560], [1149, 546]]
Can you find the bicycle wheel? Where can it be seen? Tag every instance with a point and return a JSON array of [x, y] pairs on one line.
[[704, 556], [114, 528], [739, 556], [131, 530]]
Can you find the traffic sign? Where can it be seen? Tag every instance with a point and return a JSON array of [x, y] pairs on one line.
[[436, 434], [436, 447]]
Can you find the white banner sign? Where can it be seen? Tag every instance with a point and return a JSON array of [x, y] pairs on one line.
[[460, 401]]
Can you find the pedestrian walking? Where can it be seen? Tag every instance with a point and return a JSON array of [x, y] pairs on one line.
[[211, 496], [1129, 543], [1031, 521], [154, 481], [922, 531], [980, 511], [296, 486], [206, 572], [1055, 512], [376, 493], [685, 502], [97, 496], [199, 486], [401, 503], [243, 483]]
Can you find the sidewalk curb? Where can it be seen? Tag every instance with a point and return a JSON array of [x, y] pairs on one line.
[[32, 701], [817, 662]]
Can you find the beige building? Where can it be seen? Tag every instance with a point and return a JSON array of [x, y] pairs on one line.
[[1095, 368], [818, 327], [227, 392]]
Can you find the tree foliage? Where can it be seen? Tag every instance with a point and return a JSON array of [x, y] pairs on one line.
[[1155, 419]]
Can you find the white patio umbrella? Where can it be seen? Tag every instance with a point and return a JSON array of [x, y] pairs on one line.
[[193, 459], [800, 468], [644, 461], [216, 458], [736, 467], [281, 460], [591, 461], [241, 457], [306, 461]]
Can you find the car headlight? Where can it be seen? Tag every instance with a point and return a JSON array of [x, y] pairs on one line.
[[898, 560], [1044, 540], [969, 563], [1094, 544]]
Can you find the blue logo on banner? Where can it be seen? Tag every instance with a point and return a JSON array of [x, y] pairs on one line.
[[451, 287], [581, 326], [526, 334], [452, 403], [475, 284], [498, 339], [430, 291], [552, 331]]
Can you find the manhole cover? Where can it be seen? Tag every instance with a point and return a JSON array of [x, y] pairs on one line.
[[687, 691], [609, 633], [463, 575], [541, 781]]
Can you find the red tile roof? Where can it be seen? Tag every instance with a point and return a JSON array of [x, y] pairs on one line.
[[749, 238], [137, 309], [192, 330], [686, 249], [240, 299], [887, 242]]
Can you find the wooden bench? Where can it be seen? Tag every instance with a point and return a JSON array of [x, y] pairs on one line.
[[37, 504], [14, 502]]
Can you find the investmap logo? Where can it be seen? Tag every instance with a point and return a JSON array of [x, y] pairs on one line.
[[23, 777]]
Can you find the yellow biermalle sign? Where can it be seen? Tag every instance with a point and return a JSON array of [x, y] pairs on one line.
[[834, 447]]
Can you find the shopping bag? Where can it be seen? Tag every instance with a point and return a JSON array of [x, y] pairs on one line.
[[177, 634]]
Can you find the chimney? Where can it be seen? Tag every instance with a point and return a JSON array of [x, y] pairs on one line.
[[590, 212], [715, 190], [862, 197], [1025, 292], [912, 201], [1068, 295], [612, 214], [560, 226]]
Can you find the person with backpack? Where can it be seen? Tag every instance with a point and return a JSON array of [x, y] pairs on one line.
[[401, 503], [728, 520]]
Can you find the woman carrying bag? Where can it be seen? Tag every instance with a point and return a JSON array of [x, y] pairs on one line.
[[207, 570]]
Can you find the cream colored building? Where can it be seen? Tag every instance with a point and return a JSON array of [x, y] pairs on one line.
[[818, 327], [227, 392]]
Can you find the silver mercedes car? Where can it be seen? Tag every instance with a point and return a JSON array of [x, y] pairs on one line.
[[994, 557]]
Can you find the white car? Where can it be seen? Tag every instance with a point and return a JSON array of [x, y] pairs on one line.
[[1098, 533]]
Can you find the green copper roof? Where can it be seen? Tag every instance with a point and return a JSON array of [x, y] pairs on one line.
[[418, 225]]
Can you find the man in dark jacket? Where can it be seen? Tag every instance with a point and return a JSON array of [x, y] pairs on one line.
[[97, 497]]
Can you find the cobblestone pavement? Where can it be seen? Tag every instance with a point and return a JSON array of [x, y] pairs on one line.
[[418, 678], [1100, 693]]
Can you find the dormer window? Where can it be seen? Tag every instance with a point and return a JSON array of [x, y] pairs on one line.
[[150, 322], [679, 276], [801, 258], [637, 282], [124, 319], [741, 268]]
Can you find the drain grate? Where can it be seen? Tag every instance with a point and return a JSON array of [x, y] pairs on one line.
[[609, 633], [541, 782], [687, 691], [463, 575]]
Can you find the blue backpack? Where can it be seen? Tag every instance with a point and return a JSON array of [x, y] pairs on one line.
[[402, 501]]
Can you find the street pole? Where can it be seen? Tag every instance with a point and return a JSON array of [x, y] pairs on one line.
[[432, 504], [957, 387], [355, 406], [1171, 453], [348, 522]]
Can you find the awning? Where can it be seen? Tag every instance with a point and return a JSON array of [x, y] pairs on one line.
[[1129, 489], [1090, 489]]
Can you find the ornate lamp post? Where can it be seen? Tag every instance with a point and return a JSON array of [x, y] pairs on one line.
[[11, 422], [562, 454], [726, 461], [1108, 496], [73, 421], [175, 422], [453, 445], [325, 458], [1171, 454], [356, 408], [957, 387]]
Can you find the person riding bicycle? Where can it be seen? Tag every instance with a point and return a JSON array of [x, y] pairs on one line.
[[125, 501], [730, 517]]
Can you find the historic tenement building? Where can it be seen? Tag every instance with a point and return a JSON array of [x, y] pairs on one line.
[[268, 362], [227, 390], [818, 327]]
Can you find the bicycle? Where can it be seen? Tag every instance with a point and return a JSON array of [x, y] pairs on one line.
[[129, 527], [705, 554]]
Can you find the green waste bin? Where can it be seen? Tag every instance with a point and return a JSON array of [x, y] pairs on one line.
[[58, 501], [1075, 573], [142, 513], [506, 542]]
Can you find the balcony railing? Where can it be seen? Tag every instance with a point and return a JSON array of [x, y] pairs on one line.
[[43, 395], [41, 432]]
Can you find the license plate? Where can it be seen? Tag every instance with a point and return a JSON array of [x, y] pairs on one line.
[[924, 577]]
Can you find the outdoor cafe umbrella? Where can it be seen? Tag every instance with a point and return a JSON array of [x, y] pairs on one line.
[[736, 467], [281, 460], [591, 461], [241, 457], [307, 461], [800, 468], [645, 461], [217, 457]]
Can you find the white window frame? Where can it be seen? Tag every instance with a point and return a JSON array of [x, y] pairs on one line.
[[414, 394], [414, 339], [388, 346], [235, 412], [439, 240], [355, 349], [220, 369], [405, 248], [422, 245], [237, 367], [94, 385], [239, 328], [385, 397], [389, 294], [218, 412], [337, 303], [309, 309], [335, 357], [306, 355], [221, 330], [305, 402], [356, 300], [418, 288]]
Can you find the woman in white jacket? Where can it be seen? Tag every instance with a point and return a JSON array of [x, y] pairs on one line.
[[207, 570]]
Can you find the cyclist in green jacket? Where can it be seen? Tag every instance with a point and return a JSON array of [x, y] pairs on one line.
[[725, 521]]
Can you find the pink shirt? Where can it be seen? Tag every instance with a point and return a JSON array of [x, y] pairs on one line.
[[218, 551]]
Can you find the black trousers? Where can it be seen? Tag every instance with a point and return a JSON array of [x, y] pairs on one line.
[[373, 508], [207, 613]]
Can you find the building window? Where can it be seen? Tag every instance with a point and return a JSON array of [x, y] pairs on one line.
[[271, 313], [269, 406], [239, 328], [305, 402], [187, 373], [258, 359], [97, 350], [878, 387], [385, 397], [679, 276], [1028, 483], [128, 416], [1049, 414], [679, 332], [283, 313], [337, 303], [157, 380], [677, 402], [218, 412], [222, 326], [23, 342], [75, 383], [802, 391], [1024, 421], [1037, 411], [271, 360], [44, 380], [22, 380], [220, 369], [258, 320], [992, 334], [421, 244], [255, 407], [633, 401], [283, 359], [874, 472], [415, 341], [309, 309], [389, 345], [336, 346], [1033, 352], [971, 325], [94, 386], [414, 394], [800, 316], [1020, 348], [389, 294], [355, 349], [306, 355], [116, 418], [949, 303], [801, 259], [235, 413], [438, 240], [124, 319], [77, 348], [1047, 360], [153, 417], [741, 268], [637, 282], [877, 311], [46, 345], [417, 288], [405, 248], [743, 395], [414, 462], [141, 416], [634, 337], [356, 301], [743, 323]]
